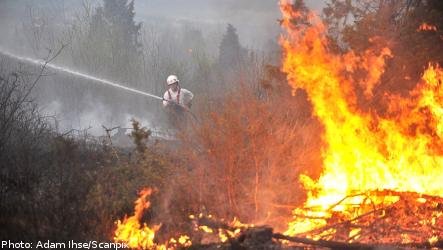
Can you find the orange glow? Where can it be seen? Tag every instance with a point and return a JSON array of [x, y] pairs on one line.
[[427, 27], [236, 227], [135, 235], [185, 241], [131, 231], [362, 151]]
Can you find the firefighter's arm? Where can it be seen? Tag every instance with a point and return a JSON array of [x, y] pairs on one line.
[[165, 100], [189, 96], [171, 104]]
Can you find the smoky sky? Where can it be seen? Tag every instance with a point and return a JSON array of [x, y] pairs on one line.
[[255, 20]]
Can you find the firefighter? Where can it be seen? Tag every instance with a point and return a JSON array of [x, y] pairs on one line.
[[177, 101]]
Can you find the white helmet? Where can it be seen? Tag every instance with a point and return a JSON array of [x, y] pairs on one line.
[[172, 79]]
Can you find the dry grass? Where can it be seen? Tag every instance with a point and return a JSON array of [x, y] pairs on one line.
[[246, 154]]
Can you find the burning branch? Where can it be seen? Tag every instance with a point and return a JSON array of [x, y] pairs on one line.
[[251, 237], [411, 218], [354, 246]]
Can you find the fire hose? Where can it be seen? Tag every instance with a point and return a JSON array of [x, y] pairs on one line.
[[182, 107], [49, 65]]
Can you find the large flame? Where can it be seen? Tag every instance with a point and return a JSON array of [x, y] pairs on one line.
[[363, 151], [130, 230], [141, 236]]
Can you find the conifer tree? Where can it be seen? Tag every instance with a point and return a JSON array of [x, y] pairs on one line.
[[231, 52], [115, 36]]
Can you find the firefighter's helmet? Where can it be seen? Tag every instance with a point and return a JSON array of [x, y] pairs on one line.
[[172, 79]]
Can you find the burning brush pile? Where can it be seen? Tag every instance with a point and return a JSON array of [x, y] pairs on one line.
[[382, 180]]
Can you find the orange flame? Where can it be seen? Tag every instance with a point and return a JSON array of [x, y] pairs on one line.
[[427, 27], [131, 232], [138, 236], [363, 151], [224, 234]]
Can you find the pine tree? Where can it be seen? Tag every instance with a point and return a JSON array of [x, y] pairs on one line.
[[111, 48], [114, 36], [117, 18], [119, 15], [231, 52]]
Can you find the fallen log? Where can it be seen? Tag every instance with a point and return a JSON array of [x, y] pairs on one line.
[[264, 238], [325, 243], [357, 246]]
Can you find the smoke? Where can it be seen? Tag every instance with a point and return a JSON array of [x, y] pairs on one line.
[[255, 20], [90, 121], [32, 28]]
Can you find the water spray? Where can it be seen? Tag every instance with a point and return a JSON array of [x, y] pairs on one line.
[[79, 74], [92, 78]]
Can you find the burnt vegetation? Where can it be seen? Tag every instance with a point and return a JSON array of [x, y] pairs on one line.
[[241, 157], [64, 186]]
